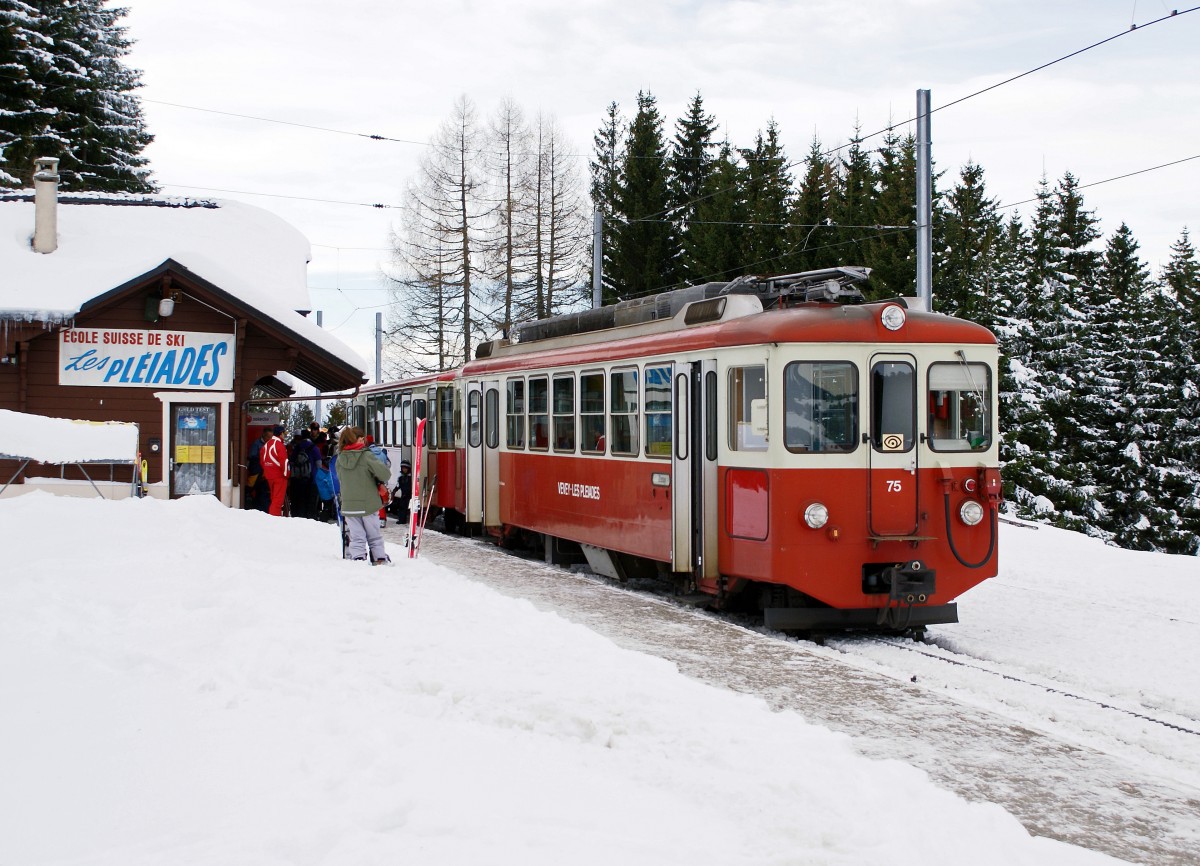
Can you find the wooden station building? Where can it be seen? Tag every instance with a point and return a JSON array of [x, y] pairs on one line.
[[163, 313]]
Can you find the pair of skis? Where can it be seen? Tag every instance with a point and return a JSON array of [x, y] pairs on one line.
[[418, 515]]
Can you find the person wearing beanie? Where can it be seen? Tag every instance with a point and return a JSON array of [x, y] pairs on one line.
[[359, 474]]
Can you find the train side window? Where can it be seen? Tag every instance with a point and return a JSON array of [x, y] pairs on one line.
[[539, 414], [564, 412], [591, 413], [710, 419], [515, 413], [474, 419], [658, 410], [820, 407], [959, 397], [446, 417], [748, 408], [406, 421], [431, 427], [377, 418], [623, 411], [491, 418]]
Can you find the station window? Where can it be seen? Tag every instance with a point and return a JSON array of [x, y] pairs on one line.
[[515, 413], [658, 411], [539, 414], [591, 413], [564, 413], [820, 407], [623, 411], [748, 408], [959, 397]]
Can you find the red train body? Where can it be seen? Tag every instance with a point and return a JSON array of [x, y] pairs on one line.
[[759, 443]]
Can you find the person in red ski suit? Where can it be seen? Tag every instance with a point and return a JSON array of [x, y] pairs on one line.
[[274, 459]]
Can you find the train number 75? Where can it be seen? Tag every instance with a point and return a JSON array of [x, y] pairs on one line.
[[893, 485]]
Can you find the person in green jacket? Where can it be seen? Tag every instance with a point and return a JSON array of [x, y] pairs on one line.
[[359, 474]]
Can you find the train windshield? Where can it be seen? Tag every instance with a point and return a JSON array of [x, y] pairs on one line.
[[820, 407], [959, 397]]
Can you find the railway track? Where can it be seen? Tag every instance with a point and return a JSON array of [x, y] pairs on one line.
[[1181, 724]]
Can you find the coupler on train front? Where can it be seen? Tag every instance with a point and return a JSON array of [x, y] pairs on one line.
[[903, 588]]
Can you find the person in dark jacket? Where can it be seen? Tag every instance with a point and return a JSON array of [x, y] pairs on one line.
[[303, 460], [359, 474], [402, 493]]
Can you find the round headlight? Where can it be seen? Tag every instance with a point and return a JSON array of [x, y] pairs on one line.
[[816, 515], [971, 512], [892, 317]]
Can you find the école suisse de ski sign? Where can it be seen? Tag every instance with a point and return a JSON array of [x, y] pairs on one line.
[[126, 358]]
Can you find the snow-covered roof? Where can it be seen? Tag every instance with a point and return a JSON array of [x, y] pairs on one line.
[[105, 241], [62, 440]]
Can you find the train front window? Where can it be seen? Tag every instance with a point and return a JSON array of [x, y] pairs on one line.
[[893, 406], [820, 407], [658, 411], [959, 397]]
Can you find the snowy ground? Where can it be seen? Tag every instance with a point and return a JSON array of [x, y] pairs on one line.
[[184, 684]]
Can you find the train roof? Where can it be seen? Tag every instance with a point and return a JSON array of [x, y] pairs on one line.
[[804, 323]]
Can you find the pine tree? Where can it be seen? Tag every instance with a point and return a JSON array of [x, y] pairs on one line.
[[608, 145], [86, 114], [644, 247], [1111, 398], [24, 63], [1182, 273], [768, 195], [712, 248], [854, 203], [811, 221], [690, 164], [1077, 231], [967, 269], [892, 252]]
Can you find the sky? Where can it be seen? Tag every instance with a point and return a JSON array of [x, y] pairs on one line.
[[817, 67], [262, 701]]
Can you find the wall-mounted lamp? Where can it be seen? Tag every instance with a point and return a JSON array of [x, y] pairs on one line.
[[166, 306]]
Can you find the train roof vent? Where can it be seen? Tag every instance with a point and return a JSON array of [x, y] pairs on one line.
[[828, 284]]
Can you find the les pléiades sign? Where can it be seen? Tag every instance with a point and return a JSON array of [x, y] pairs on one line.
[[121, 358]]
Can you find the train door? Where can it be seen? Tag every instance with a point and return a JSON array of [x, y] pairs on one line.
[[474, 459], [694, 470], [491, 454], [892, 451]]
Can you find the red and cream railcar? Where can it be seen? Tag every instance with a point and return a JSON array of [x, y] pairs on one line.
[[758, 442]]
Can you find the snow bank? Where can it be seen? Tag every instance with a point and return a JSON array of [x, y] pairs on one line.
[[183, 683], [62, 440]]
